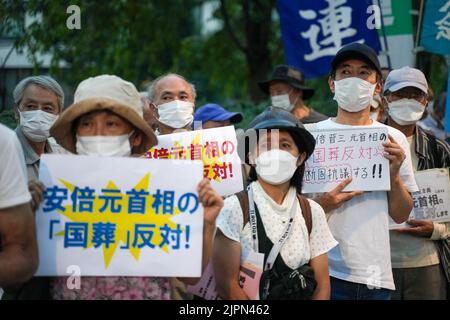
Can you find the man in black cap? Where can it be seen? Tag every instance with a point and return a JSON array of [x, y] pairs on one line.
[[360, 266], [287, 90]]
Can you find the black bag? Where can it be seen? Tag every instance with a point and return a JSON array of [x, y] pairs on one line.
[[298, 284]]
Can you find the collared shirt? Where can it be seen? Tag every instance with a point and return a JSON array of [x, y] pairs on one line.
[[409, 251], [32, 159], [431, 125]]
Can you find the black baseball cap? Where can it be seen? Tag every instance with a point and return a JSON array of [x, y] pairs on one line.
[[292, 76], [358, 51], [278, 118]]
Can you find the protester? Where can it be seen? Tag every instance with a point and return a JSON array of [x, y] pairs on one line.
[[434, 122], [287, 90], [212, 115], [38, 102], [359, 221], [106, 119], [18, 252], [415, 259], [277, 170], [173, 100]]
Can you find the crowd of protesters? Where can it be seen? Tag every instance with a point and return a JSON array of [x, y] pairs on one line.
[[328, 243]]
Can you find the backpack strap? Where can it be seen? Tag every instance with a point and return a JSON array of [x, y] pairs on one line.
[[304, 205], [243, 201], [306, 211]]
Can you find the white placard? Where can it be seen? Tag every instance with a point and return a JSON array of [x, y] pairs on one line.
[[432, 201], [216, 147], [114, 216], [343, 153]]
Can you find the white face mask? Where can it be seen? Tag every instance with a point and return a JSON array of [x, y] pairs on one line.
[[176, 114], [406, 111], [282, 101], [353, 94], [276, 166], [108, 146], [36, 124]]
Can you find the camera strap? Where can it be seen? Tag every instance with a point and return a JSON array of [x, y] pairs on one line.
[[254, 229]]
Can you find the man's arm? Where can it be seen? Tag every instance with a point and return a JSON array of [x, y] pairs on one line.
[[399, 199], [18, 252]]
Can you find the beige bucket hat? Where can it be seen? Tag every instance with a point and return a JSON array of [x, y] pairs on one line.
[[105, 92]]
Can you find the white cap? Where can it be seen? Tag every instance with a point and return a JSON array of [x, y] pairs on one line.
[[406, 77]]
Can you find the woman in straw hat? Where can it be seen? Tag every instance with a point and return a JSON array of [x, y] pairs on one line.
[[107, 119]]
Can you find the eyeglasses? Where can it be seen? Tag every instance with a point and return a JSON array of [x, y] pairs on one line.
[[419, 96]]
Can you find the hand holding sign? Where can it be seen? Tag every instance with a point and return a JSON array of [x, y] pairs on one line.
[[420, 228], [37, 190], [335, 198], [212, 202], [395, 155]]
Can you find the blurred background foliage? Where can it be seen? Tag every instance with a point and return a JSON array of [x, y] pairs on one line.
[[140, 40]]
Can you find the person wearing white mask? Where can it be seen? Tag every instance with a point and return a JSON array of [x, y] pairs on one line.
[[288, 91], [172, 98], [38, 102], [106, 119], [415, 258], [360, 221], [276, 146]]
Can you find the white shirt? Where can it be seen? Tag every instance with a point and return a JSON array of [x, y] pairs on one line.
[[296, 250], [361, 225], [13, 174]]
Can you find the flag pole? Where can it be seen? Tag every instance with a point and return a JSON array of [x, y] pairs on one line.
[[383, 31], [447, 104], [419, 24]]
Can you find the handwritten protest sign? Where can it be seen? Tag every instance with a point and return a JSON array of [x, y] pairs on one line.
[[119, 217], [216, 147], [432, 201], [343, 153]]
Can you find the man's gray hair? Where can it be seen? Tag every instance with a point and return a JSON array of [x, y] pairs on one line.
[[45, 82], [154, 84]]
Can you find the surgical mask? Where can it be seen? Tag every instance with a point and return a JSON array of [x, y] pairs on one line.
[[108, 146], [36, 124], [353, 94], [406, 111], [176, 114], [276, 166], [282, 101]]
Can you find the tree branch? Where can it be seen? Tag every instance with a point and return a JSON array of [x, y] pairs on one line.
[[229, 29]]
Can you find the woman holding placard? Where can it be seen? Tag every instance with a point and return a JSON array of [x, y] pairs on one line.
[[270, 230]]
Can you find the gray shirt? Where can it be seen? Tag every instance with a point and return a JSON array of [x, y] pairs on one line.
[[32, 159]]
